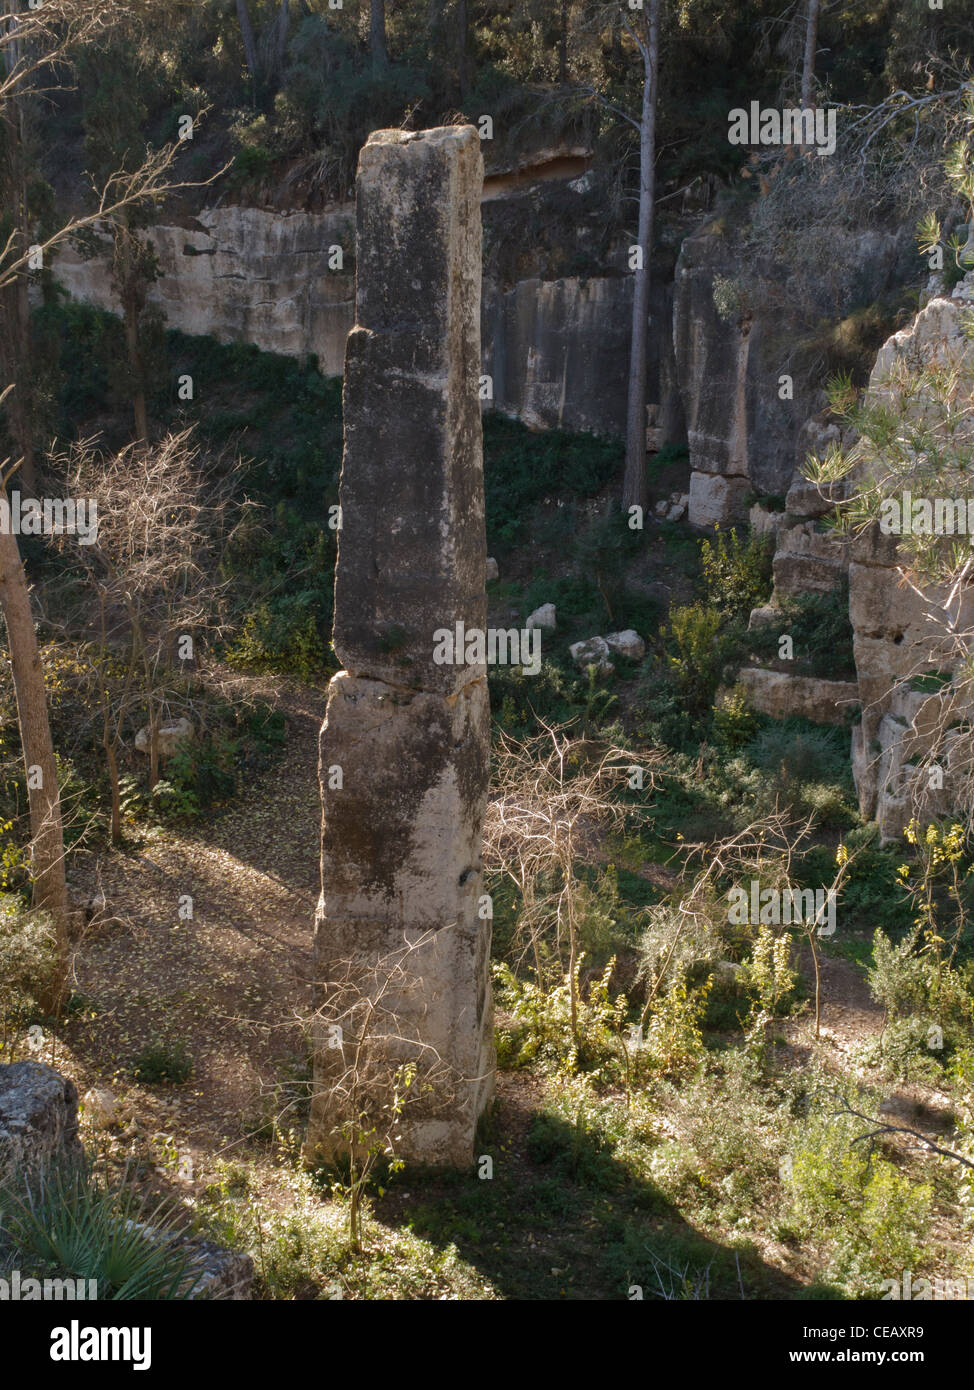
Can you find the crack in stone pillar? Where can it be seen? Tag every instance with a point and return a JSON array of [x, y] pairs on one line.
[[402, 943]]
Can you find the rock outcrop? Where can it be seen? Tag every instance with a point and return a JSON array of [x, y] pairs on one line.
[[402, 1000], [38, 1121], [782, 695], [903, 631]]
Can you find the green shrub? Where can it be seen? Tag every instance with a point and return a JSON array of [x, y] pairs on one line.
[[796, 753], [821, 634], [929, 1004], [899, 978], [540, 1025], [872, 891], [574, 595], [519, 701], [70, 1225], [736, 572], [734, 721], [162, 1061], [27, 961], [673, 1040], [522, 467], [281, 635], [697, 648], [199, 773], [602, 551], [873, 1217]]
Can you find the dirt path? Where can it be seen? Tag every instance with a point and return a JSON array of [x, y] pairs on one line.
[[227, 985], [850, 1014]]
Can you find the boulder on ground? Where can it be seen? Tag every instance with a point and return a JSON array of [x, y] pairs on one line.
[[38, 1121], [100, 1107], [543, 617], [627, 643], [492, 572], [593, 652], [170, 734], [717, 499]]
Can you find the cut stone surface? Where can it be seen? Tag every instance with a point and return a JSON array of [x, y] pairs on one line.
[[402, 943], [764, 522], [412, 549], [781, 695], [716, 500], [808, 560]]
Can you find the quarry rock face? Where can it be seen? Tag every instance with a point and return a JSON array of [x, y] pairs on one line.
[[729, 366], [402, 940], [809, 560], [244, 275], [557, 351], [900, 634]]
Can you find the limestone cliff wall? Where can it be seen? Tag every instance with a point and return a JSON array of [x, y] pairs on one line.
[[744, 428], [556, 349], [900, 631], [244, 275]]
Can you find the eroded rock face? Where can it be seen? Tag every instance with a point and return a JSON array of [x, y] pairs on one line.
[[38, 1121], [401, 938]]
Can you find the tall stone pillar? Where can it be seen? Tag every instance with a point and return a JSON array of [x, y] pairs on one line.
[[403, 1021]]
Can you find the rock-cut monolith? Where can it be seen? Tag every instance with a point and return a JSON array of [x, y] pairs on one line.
[[403, 1048]]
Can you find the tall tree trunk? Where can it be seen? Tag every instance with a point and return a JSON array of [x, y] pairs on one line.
[[155, 722], [635, 486], [377, 37], [24, 409], [50, 890], [463, 68], [563, 44], [139, 410], [247, 35], [112, 759], [15, 365], [283, 26], [132, 296], [15, 354], [811, 46]]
